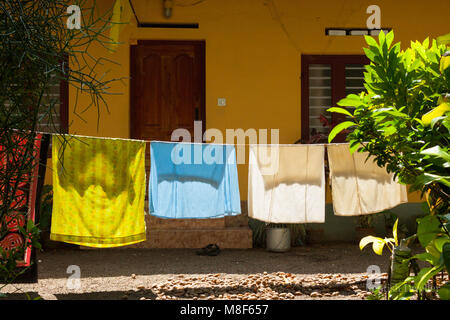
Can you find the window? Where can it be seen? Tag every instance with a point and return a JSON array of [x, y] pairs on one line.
[[325, 80], [58, 96]]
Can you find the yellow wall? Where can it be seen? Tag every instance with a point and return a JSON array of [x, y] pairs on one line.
[[253, 50]]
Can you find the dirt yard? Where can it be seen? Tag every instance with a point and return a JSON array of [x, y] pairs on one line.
[[328, 271]]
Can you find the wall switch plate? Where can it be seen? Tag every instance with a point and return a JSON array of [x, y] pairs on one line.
[[221, 102]]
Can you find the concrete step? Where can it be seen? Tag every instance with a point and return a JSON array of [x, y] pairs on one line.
[[230, 238], [165, 224], [231, 232]]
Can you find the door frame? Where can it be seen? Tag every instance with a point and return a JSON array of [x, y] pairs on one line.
[[200, 47]]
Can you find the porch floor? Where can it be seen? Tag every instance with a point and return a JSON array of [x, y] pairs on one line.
[[327, 271]]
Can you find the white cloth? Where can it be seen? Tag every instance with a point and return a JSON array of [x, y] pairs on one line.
[[359, 187], [286, 183]]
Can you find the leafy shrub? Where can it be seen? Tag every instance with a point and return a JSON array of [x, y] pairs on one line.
[[402, 121]]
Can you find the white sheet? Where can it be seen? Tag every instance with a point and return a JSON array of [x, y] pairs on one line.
[[286, 184]]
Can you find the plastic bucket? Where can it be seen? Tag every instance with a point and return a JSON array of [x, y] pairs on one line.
[[278, 239]]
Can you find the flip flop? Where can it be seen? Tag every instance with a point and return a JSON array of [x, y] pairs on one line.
[[209, 250]]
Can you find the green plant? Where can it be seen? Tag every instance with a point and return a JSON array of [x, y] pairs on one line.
[[46, 208], [401, 260], [8, 260], [379, 243], [316, 136], [365, 221], [37, 52], [391, 120], [376, 294], [389, 220], [402, 121]]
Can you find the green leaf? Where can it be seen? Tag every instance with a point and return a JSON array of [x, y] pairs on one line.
[[377, 244], [436, 120], [37, 245], [396, 48], [381, 38], [366, 240], [428, 228], [443, 40], [427, 178], [427, 257], [437, 151], [446, 255], [340, 110], [390, 130], [354, 145], [426, 274], [444, 292], [337, 129], [401, 290], [439, 242], [30, 225], [394, 232], [352, 100], [391, 112], [371, 41], [426, 43], [431, 249], [369, 53], [389, 38]]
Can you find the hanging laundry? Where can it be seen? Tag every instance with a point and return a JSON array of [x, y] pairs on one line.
[[191, 180], [286, 183], [361, 187], [21, 163], [98, 191]]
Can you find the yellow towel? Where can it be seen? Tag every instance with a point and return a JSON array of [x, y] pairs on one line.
[[98, 191]]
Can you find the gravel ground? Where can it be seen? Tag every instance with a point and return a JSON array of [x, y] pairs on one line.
[[328, 271]]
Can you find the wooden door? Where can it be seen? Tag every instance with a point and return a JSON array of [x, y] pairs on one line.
[[167, 88]]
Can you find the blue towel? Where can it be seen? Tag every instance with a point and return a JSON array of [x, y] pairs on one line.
[[196, 181]]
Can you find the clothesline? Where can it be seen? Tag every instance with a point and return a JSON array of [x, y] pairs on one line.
[[86, 193], [225, 144]]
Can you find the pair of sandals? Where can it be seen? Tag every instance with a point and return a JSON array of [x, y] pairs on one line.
[[209, 250]]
